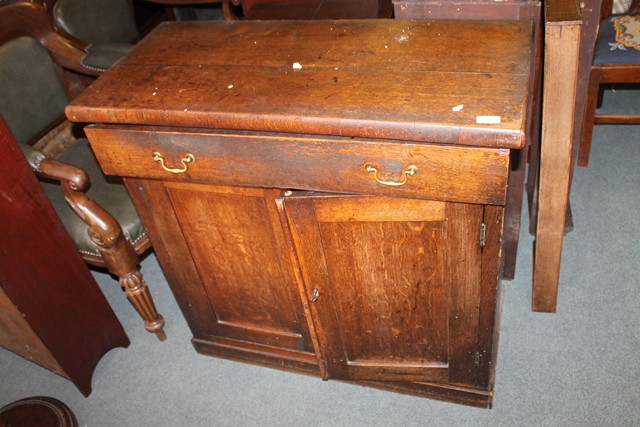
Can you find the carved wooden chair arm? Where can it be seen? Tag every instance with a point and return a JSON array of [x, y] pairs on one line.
[[76, 178], [103, 227]]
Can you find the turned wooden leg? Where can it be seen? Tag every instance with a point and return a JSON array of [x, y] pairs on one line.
[[121, 259], [140, 296]]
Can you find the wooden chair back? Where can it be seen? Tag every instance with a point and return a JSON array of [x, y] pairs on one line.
[[307, 9], [24, 18], [605, 66]]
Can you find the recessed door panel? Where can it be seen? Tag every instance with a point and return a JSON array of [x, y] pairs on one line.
[[388, 283]]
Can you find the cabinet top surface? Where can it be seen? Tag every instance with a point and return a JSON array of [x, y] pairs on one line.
[[434, 81]]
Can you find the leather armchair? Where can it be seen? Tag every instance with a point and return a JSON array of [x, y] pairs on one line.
[[105, 28], [95, 210], [20, 17]]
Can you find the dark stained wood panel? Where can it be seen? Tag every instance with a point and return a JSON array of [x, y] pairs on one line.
[[490, 304], [563, 12], [59, 318], [379, 79], [467, 9], [307, 9], [464, 274]]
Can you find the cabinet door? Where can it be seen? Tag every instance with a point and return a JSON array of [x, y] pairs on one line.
[[393, 285], [222, 251]]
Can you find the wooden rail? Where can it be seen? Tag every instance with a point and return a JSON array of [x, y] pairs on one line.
[[562, 45]]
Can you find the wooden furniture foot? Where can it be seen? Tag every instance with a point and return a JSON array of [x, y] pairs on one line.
[[140, 296]]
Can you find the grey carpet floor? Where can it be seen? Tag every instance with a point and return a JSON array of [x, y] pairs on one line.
[[578, 367]]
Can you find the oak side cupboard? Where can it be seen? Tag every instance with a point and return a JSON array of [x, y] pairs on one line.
[[326, 197]]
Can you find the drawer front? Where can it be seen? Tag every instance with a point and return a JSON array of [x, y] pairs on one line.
[[333, 164]]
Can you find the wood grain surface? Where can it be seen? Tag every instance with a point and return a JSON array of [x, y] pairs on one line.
[[379, 78], [304, 162]]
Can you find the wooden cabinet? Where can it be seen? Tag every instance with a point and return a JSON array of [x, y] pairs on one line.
[[353, 234]]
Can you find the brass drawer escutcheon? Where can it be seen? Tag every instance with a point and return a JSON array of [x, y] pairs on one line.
[[188, 158], [410, 171]]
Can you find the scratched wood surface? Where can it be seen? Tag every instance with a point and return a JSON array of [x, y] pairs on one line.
[[371, 78]]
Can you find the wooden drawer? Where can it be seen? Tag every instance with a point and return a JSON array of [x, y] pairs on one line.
[[332, 164]]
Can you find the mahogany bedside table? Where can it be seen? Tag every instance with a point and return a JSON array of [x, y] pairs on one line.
[[326, 197]]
